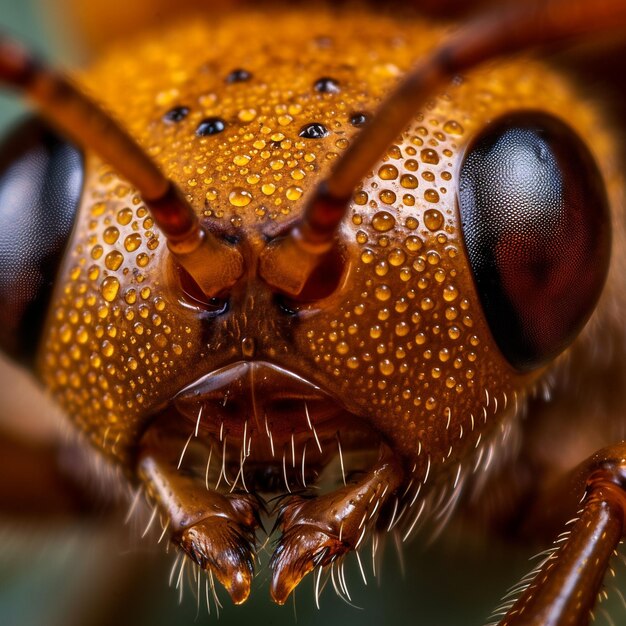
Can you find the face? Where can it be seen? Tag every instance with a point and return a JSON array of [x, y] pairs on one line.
[[398, 344]]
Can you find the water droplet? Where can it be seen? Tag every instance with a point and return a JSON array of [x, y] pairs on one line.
[[395, 152], [93, 273], [413, 243], [381, 268], [247, 115], [383, 221], [361, 198], [268, 188], [367, 256], [239, 197], [454, 332], [402, 329], [293, 193], [408, 181], [430, 403], [132, 242], [433, 219], [440, 275], [241, 159], [411, 223], [387, 196], [124, 216], [107, 348], [342, 348], [433, 257], [382, 293], [450, 293], [451, 313], [109, 288], [65, 333], [386, 367], [396, 257], [427, 304], [430, 156], [167, 97], [113, 260], [453, 128], [388, 172], [81, 335], [352, 362], [210, 126]]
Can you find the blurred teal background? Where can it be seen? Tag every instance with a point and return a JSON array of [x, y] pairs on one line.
[[95, 575]]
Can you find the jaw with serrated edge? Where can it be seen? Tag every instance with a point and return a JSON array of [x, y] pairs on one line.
[[241, 435]]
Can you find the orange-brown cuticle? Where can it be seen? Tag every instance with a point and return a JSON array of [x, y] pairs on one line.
[[404, 344]]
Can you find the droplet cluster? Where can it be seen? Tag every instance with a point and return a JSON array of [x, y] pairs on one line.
[[254, 120], [113, 339], [246, 127]]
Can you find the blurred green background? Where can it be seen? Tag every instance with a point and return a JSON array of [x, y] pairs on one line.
[[95, 575]]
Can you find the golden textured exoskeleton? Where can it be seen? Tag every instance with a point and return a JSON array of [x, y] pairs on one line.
[[403, 333], [246, 113]]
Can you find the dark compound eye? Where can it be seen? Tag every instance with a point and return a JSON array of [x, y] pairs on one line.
[[536, 224], [327, 85], [41, 178], [313, 131], [358, 119], [210, 126], [175, 115], [238, 76]]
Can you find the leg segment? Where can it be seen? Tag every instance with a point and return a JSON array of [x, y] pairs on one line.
[[565, 589], [217, 530], [317, 531], [35, 483]]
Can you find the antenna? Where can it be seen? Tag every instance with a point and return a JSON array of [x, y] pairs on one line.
[[212, 263], [288, 262]]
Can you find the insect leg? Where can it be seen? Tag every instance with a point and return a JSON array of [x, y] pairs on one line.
[[216, 530], [319, 531], [35, 484], [565, 587]]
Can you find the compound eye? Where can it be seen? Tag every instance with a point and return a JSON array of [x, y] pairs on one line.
[[41, 178], [536, 225]]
